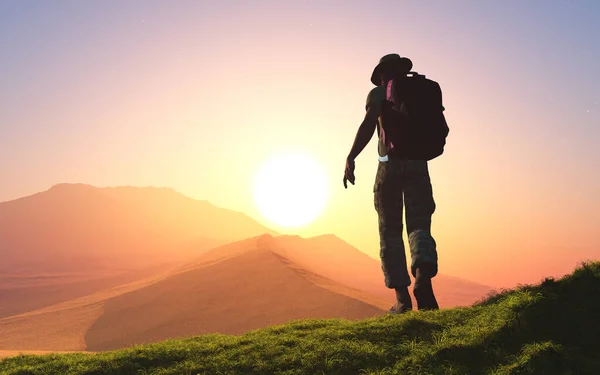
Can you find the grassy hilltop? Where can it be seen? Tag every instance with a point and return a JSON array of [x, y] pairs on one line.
[[551, 328]]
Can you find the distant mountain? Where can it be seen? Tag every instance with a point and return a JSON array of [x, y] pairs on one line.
[[243, 291], [77, 228]]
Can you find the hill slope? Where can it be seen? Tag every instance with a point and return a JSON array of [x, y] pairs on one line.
[[243, 292], [551, 328], [251, 291]]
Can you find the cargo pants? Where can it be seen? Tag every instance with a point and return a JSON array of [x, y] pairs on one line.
[[405, 184]]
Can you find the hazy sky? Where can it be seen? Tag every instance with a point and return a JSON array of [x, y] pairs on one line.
[[196, 95]]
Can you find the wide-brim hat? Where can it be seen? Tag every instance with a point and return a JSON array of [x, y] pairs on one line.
[[393, 60]]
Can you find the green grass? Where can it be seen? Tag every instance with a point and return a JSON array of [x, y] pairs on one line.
[[551, 328]]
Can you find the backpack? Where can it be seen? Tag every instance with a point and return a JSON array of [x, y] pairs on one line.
[[413, 120]]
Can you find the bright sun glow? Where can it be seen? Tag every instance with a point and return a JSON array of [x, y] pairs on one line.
[[291, 190]]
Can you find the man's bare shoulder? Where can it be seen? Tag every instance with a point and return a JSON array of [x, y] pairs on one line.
[[376, 95]]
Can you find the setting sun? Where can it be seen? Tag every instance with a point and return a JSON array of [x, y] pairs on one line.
[[291, 190]]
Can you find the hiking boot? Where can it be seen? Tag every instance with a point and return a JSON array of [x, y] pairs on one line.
[[425, 297], [404, 303], [423, 291], [399, 308]]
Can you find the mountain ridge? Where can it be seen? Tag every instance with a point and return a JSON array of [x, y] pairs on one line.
[[99, 227]]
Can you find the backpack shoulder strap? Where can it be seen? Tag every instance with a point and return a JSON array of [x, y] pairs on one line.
[[388, 90]]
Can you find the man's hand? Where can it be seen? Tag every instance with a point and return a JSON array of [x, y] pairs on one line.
[[349, 173]]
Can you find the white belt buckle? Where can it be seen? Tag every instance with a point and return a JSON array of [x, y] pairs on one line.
[[382, 159]]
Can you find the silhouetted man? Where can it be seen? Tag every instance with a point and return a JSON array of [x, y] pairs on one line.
[[400, 182]]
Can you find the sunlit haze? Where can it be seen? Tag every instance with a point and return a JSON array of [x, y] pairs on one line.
[[199, 96]]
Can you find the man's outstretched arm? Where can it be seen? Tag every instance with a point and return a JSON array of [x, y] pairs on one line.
[[363, 136], [365, 132]]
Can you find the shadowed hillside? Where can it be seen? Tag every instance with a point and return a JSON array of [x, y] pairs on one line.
[[551, 328]]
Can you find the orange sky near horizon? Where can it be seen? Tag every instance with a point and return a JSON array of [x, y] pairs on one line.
[[199, 96]]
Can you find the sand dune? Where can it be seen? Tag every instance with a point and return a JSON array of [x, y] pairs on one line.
[[246, 291], [62, 330], [62, 326], [32, 293]]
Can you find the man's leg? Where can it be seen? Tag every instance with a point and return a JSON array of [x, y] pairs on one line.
[[420, 206], [388, 204]]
